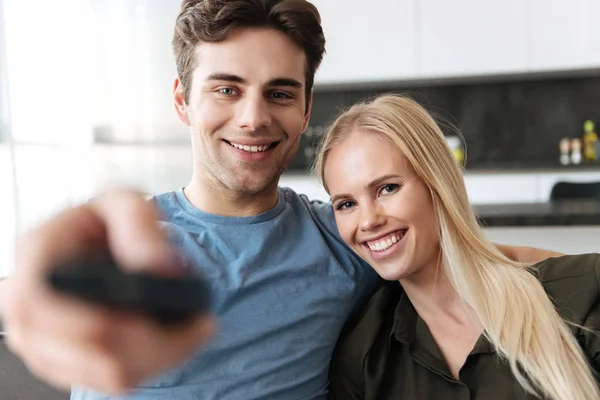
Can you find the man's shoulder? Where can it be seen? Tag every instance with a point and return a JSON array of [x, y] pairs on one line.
[[164, 200], [569, 267], [321, 209]]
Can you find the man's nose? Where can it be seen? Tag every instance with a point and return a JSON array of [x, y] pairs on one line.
[[254, 113]]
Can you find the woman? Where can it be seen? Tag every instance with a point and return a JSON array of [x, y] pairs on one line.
[[458, 320]]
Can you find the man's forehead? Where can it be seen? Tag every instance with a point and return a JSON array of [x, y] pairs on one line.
[[258, 59]]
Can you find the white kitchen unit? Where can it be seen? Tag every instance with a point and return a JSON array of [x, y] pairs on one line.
[[564, 239], [509, 187], [565, 34], [402, 40], [472, 37], [367, 42], [505, 188]]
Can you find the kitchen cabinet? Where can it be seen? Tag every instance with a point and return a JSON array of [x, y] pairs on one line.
[[564, 239], [472, 37], [367, 42], [502, 188], [482, 187], [565, 34]]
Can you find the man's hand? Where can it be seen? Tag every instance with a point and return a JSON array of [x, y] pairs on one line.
[[67, 342], [526, 255]]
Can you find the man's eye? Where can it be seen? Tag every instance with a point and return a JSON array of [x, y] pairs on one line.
[[227, 91], [280, 95], [344, 205], [389, 188]]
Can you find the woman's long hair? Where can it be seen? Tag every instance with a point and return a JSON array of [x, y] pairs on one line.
[[518, 317]]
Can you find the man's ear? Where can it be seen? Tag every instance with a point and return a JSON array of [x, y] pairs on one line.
[[179, 101], [308, 111]]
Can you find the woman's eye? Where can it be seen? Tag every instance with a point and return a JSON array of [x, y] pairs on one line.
[[389, 188], [344, 205]]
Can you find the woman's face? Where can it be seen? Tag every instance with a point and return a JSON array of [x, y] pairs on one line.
[[383, 210]]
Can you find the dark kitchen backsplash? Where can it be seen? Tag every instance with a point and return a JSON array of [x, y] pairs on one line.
[[513, 123]]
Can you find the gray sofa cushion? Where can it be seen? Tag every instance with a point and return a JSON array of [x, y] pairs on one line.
[[16, 383]]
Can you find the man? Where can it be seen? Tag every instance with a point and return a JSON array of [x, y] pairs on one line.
[[283, 280]]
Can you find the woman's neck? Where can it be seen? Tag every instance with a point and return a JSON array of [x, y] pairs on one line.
[[435, 299]]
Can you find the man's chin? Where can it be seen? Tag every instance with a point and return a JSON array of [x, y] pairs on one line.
[[249, 186]]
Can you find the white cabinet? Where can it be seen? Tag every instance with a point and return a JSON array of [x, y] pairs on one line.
[[367, 41], [472, 37], [393, 40], [564, 239], [494, 188], [565, 34]]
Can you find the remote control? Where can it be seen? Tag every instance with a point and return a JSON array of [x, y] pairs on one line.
[[101, 281]]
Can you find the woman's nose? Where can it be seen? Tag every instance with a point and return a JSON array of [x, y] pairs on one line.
[[371, 219]]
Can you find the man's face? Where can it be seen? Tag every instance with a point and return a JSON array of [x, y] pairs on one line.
[[246, 109]]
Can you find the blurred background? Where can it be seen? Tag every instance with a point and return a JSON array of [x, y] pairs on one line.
[[85, 103]]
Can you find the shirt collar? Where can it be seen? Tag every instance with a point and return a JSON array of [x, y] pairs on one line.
[[405, 319]]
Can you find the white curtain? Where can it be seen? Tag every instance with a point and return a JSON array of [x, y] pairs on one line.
[[8, 212], [88, 83]]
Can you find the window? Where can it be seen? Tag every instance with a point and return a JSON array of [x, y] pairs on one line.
[[89, 84]]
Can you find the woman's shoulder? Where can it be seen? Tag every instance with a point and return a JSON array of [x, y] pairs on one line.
[[572, 282], [361, 333]]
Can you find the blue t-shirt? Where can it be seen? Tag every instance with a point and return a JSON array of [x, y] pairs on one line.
[[283, 285]]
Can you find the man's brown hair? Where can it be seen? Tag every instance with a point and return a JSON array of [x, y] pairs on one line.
[[212, 20]]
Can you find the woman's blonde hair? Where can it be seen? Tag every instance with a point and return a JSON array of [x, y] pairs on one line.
[[518, 317]]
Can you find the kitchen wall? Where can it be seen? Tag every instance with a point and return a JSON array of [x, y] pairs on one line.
[[514, 122]]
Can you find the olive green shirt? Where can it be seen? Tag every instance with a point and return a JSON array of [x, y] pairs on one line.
[[389, 353]]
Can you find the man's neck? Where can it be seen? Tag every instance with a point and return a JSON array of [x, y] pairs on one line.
[[220, 201]]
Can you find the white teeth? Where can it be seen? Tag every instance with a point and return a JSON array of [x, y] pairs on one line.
[[250, 149], [384, 244]]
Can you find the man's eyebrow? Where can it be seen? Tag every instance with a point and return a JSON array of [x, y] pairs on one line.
[[285, 82], [222, 76]]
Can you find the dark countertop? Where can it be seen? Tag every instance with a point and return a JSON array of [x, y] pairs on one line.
[[530, 167], [558, 213]]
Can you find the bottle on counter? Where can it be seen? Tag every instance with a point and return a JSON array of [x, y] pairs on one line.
[[576, 156], [457, 149], [590, 139], [565, 149]]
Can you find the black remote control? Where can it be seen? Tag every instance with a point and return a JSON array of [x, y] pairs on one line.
[[99, 280]]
